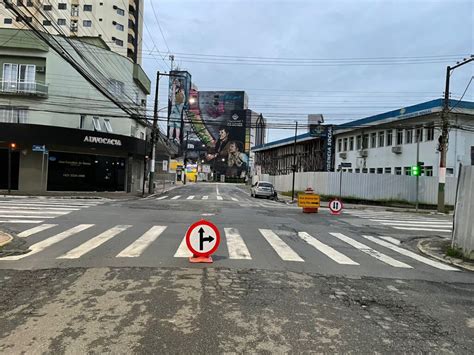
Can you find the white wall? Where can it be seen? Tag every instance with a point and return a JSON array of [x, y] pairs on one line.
[[463, 235]]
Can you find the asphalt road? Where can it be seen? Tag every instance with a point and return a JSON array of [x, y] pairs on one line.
[[113, 276]]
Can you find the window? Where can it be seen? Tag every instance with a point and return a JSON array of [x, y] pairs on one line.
[[409, 136], [47, 7], [357, 171], [75, 10], [119, 42], [399, 136], [82, 122], [359, 142], [365, 141], [339, 145], [428, 171], [7, 21], [46, 23], [19, 77], [351, 143], [96, 122], [430, 133], [419, 135], [373, 140], [389, 138], [116, 87], [19, 2], [13, 114], [349, 170], [364, 170], [381, 139], [87, 7], [372, 170], [62, 6], [345, 144], [119, 27], [107, 125], [87, 23], [142, 135], [29, 3], [379, 170], [388, 170], [407, 170], [450, 171], [120, 12], [61, 21], [398, 170]]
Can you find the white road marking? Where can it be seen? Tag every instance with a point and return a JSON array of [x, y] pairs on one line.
[[411, 254], [24, 216], [42, 208], [236, 245], [183, 251], [36, 248], [161, 197], [327, 250], [190, 197], [34, 230], [448, 223], [93, 243], [175, 197], [27, 212], [18, 221], [205, 197], [234, 199], [391, 240], [219, 197], [138, 246], [280, 247], [424, 229], [372, 252], [41, 204], [217, 189]]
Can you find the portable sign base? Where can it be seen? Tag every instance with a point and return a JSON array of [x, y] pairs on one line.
[[309, 201], [202, 240], [335, 206]]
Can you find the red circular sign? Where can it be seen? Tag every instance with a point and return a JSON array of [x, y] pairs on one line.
[[336, 206], [203, 238]]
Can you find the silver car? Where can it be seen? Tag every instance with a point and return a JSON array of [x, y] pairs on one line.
[[263, 189]]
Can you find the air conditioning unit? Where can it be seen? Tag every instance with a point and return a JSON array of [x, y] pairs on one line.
[[40, 69], [363, 153], [397, 149], [343, 155]]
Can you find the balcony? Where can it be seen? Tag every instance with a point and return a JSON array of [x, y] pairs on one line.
[[23, 88]]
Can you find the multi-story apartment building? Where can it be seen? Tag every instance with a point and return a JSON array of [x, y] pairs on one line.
[[118, 22], [59, 131]]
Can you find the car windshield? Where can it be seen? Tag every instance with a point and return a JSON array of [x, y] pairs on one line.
[[265, 184]]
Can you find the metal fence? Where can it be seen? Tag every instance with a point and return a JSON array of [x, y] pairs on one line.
[[367, 186], [463, 236]]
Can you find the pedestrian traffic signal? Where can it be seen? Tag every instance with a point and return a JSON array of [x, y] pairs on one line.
[[415, 170], [12, 145]]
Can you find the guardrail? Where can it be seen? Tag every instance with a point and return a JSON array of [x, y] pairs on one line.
[[23, 88]]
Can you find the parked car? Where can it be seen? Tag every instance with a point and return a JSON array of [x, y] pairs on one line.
[[263, 189]]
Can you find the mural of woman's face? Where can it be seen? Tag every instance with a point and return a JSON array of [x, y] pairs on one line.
[[233, 148]]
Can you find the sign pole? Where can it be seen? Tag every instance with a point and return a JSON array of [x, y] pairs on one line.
[[9, 169], [340, 182], [42, 170]]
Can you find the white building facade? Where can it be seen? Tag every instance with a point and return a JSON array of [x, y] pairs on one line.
[[387, 143], [118, 22]]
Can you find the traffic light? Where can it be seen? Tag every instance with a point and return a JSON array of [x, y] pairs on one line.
[[415, 170], [12, 146]]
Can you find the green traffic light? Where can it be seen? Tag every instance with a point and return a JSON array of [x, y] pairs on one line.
[[415, 170]]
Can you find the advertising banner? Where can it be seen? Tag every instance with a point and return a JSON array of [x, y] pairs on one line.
[[178, 103]]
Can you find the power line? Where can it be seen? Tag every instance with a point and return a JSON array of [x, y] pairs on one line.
[[159, 26]]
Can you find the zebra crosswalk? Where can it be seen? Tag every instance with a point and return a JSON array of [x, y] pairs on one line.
[[35, 210], [284, 246], [403, 221]]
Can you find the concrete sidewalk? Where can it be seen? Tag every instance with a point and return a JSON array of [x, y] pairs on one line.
[[436, 249], [5, 238]]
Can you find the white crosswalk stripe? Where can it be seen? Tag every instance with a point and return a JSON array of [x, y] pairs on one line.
[[34, 230], [205, 197], [190, 197], [161, 197], [175, 197], [93, 243], [220, 198], [280, 247], [234, 199], [372, 252], [236, 245], [137, 247], [411, 254], [34, 210], [327, 250], [239, 247], [40, 246]]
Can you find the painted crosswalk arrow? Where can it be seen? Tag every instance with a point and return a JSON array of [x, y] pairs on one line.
[[203, 239]]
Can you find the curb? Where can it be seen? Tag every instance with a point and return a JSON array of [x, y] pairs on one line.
[[447, 260], [5, 239], [163, 192]]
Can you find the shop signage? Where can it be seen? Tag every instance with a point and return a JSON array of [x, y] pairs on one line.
[[102, 140]]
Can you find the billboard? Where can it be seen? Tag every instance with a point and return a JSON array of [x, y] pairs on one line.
[[178, 103], [218, 133]]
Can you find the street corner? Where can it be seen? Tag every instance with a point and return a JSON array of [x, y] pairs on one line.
[[440, 249], [10, 245]]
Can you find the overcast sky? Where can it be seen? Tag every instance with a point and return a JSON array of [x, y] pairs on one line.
[[313, 37]]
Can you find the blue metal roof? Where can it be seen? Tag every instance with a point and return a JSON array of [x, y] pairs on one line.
[[406, 112]]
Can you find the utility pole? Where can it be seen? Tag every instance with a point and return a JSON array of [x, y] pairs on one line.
[[418, 137], [443, 140], [185, 157], [294, 163], [154, 135], [9, 183], [171, 57]]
